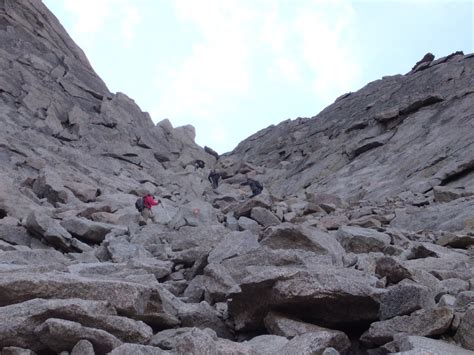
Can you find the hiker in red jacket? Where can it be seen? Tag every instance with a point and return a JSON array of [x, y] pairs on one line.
[[148, 203]]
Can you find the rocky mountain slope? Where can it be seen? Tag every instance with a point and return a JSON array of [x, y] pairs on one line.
[[361, 241]]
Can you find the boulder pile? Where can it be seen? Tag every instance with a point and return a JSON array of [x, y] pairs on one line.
[[361, 242]]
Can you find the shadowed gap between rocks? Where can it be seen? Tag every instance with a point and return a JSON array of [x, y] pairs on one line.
[[321, 312]]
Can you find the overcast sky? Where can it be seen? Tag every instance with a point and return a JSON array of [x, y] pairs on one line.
[[233, 67]]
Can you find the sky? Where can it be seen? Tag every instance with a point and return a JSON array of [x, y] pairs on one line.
[[233, 67]]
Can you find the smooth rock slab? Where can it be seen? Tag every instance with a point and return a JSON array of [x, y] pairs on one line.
[[423, 322]]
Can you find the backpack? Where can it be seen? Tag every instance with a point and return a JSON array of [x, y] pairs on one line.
[[139, 205]]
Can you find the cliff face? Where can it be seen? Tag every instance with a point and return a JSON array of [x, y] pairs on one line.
[[57, 113], [401, 133], [362, 237]]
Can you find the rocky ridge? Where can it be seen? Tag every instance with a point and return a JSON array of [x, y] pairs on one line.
[[360, 242]]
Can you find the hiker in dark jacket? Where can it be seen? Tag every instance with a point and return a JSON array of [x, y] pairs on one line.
[[254, 185], [148, 203], [213, 178]]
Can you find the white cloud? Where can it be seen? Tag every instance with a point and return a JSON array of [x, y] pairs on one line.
[[308, 46], [285, 68], [326, 49], [218, 64], [91, 16], [130, 20], [274, 31]]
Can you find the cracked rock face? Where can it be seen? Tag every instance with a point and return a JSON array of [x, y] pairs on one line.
[[362, 237]]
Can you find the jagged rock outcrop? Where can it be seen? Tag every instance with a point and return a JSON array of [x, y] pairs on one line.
[[361, 240], [400, 133]]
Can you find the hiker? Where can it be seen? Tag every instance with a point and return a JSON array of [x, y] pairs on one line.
[[199, 164], [148, 203], [213, 178], [255, 186]]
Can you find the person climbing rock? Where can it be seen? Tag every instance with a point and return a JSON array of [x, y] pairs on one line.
[[148, 203], [254, 185], [213, 178]]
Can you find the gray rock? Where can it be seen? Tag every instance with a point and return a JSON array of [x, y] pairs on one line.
[[89, 231], [235, 243], [464, 299], [20, 320], [33, 257], [135, 300], [451, 217], [289, 236], [330, 351], [245, 223], [456, 240], [392, 269], [218, 283], [447, 301], [264, 217], [332, 222], [362, 240], [422, 322], [44, 227], [267, 344], [316, 343], [224, 346], [16, 235], [322, 296], [60, 334], [466, 329], [418, 344], [404, 299], [452, 287], [186, 340], [136, 349], [202, 316], [49, 185], [13, 350], [279, 324], [83, 347], [445, 194]]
